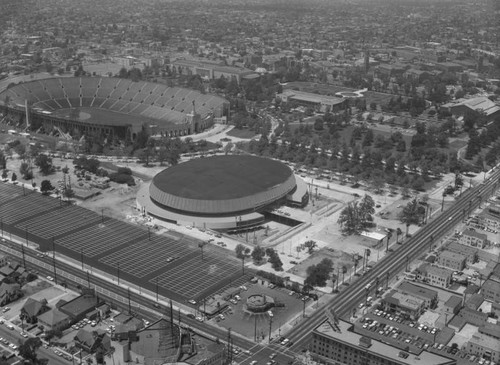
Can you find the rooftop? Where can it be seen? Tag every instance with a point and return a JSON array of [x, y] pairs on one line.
[[404, 300], [447, 254], [471, 233], [420, 291], [379, 349]]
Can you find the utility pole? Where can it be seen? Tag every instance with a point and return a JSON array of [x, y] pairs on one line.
[[387, 281], [118, 273], [24, 260], [26, 230], [129, 304], [271, 326], [88, 279], [255, 330], [157, 289], [81, 257], [54, 259]]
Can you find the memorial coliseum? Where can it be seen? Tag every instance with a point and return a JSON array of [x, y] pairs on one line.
[[221, 192], [118, 108]]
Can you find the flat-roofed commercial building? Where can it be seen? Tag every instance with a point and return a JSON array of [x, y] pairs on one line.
[[406, 304], [339, 344]]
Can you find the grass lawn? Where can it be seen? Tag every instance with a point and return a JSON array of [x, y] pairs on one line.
[[241, 133]]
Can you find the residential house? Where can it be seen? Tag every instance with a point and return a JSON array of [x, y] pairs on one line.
[[491, 290], [452, 260], [4, 259], [77, 308], [54, 320], [9, 293], [91, 341], [406, 304], [32, 308], [473, 238]]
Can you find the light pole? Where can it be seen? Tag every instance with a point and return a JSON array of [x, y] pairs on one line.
[[118, 273], [157, 289], [81, 257]]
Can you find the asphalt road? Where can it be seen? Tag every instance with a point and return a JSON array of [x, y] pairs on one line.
[[342, 304]]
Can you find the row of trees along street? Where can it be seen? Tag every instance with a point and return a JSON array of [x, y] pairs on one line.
[[366, 156]]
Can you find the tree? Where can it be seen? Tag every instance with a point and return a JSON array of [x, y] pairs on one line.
[[13, 177], [366, 211], [368, 138], [46, 187], [258, 254], [4, 174], [28, 349], [317, 275], [242, 252], [349, 219], [44, 163], [411, 214], [310, 245], [398, 233], [344, 271], [24, 170]]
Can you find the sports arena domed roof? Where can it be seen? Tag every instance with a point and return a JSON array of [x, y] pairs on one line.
[[222, 185]]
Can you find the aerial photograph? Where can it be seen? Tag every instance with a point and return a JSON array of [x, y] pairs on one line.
[[254, 182]]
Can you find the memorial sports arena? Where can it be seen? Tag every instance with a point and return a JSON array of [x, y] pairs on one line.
[[72, 107], [221, 192]]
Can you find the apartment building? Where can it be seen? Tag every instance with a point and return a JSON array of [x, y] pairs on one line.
[[452, 260], [473, 238], [436, 276], [484, 346], [491, 290]]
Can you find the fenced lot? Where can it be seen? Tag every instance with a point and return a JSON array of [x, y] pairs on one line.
[[147, 256], [195, 278], [8, 192], [98, 239], [26, 206], [60, 221]]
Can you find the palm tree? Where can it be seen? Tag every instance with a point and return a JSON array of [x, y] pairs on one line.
[[398, 232], [389, 235], [410, 214], [344, 271]]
